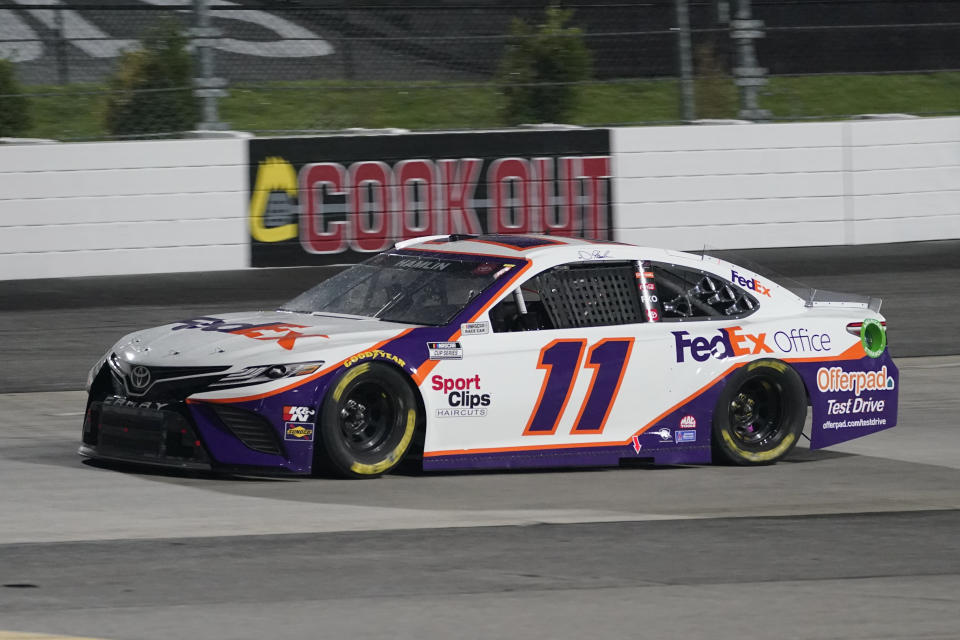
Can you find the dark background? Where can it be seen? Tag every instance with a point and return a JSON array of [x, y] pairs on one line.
[[464, 39]]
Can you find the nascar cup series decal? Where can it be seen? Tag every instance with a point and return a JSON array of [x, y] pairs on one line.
[[445, 351], [464, 397]]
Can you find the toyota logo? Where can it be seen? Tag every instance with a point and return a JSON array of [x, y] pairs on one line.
[[140, 377]]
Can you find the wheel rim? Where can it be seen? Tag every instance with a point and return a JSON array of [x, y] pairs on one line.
[[756, 413], [367, 417]]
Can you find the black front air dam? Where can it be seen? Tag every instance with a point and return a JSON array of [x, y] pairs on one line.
[[146, 435]]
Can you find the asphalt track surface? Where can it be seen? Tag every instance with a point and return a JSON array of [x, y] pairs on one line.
[[859, 541]]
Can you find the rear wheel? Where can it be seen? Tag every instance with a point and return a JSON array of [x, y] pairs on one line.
[[367, 422], [760, 414]]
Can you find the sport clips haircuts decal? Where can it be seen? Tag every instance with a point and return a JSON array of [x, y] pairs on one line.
[[464, 397], [321, 200]]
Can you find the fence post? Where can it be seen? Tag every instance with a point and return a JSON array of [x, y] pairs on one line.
[[207, 87], [685, 55], [63, 70], [347, 41], [749, 76]]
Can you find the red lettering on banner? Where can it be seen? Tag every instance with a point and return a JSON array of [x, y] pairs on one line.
[[566, 196], [414, 176], [316, 234], [458, 184], [370, 206], [562, 219], [506, 174], [594, 170], [543, 181]]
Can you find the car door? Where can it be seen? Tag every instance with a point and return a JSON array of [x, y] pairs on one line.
[[564, 360]]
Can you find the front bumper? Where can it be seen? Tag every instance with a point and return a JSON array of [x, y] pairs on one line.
[[145, 435]]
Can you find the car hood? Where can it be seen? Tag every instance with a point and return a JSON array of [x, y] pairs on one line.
[[251, 338]]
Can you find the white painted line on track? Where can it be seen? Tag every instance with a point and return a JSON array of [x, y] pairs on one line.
[[20, 635]]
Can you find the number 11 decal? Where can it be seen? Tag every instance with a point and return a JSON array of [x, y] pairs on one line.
[[561, 359]]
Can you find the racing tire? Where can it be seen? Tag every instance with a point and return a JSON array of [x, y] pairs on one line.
[[367, 422], [759, 415]]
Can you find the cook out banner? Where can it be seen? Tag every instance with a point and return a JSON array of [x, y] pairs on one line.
[[329, 200]]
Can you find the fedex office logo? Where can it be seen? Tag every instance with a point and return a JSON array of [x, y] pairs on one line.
[[750, 283], [728, 342]]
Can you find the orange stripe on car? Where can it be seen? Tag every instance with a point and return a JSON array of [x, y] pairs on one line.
[[855, 352], [306, 379]]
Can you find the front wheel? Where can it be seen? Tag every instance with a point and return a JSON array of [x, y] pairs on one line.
[[760, 414], [367, 422]]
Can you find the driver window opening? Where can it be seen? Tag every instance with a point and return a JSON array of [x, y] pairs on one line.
[[689, 293], [569, 296]]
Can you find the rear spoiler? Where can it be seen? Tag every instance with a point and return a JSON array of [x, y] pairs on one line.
[[823, 298]]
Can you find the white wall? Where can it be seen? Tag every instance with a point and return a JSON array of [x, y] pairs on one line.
[[167, 206], [779, 185], [122, 208]]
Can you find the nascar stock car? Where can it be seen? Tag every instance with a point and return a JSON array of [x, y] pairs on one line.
[[496, 352]]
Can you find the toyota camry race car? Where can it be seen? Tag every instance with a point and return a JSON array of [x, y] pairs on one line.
[[497, 352]]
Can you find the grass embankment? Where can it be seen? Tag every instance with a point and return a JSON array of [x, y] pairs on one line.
[[76, 111]]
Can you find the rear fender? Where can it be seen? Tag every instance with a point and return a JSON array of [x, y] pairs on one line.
[[850, 398]]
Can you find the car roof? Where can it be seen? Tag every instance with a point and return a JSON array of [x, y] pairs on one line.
[[544, 248]]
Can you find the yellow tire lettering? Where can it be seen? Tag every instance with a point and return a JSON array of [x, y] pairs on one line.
[[347, 379], [760, 456], [395, 455], [773, 364]]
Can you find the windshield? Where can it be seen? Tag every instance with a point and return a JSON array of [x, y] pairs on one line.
[[401, 288]]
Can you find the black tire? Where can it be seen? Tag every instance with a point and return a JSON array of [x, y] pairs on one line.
[[367, 422], [760, 414]]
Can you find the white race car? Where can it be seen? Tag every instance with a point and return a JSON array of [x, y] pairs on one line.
[[499, 352]]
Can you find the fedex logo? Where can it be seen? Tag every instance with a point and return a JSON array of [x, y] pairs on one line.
[[729, 342], [750, 283]]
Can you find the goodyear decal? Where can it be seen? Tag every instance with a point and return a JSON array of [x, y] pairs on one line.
[[375, 354]]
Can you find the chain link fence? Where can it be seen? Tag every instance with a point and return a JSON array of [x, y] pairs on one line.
[[294, 66]]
